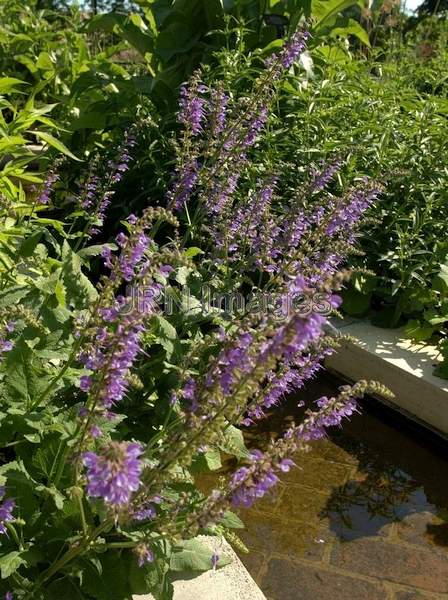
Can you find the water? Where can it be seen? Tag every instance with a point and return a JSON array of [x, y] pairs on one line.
[[364, 516]]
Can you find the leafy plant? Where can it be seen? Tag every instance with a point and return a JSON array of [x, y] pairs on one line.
[[109, 405]]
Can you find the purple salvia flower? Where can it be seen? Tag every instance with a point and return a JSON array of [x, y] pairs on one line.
[[192, 107], [189, 393], [51, 179], [133, 250], [144, 555], [90, 190], [218, 109], [6, 345], [293, 48], [9, 596], [84, 383], [97, 195], [233, 359], [243, 229], [95, 432], [221, 194], [145, 514], [113, 354], [120, 165], [322, 178], [347, 214], [114, 475], [214, 560], [10, 326], [6, 507], [185, 182], [254, 125]]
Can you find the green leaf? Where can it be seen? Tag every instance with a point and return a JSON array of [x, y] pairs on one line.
[[434, 317], [113, 583], [324, 10], [44, 62], [442, 370], [8, 84], [79, 290], [193, 555], [440, 281], [355, 303], [55, 143], [13, 294], [207, 461], [95, 250], [231, 521], [60, 293], [29, 244], [27, 377], [53, 493], [9, 563], [418, 331], [345, 27], [233, 442], [193, 251], [213, 459]]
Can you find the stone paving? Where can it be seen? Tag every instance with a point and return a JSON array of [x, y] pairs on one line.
[[362, 517]]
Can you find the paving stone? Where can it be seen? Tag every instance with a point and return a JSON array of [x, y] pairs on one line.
[[328, 450], [284, 537], [318, 474], [302, 503], [253, 561], [293, 581], [394, 562], [411, 595], [424, 528]]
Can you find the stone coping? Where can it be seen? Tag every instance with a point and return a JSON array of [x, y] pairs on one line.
[[406, 367], [231, 582]]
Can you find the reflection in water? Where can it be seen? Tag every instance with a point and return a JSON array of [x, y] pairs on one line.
[[364, 507], [391, 476], [380, 495]]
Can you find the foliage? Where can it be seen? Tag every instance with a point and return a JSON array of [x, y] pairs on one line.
[[110, 405], [387, 116], [93, 81]]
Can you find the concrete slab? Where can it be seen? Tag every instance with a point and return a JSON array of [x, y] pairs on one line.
[[404, 366], [231, 582]]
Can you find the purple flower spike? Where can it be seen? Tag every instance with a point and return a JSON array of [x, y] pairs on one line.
[[115, 474], [6, 508], [49, 182], [6, 346], [145, 514], [219, 102], [144, 555], [192, 108]]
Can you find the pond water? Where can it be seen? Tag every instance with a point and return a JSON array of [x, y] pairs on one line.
[[364, 516]]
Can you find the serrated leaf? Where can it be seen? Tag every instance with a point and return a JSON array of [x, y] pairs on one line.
[[193, 555], [232, 521], [79, 290], [233, 442], [27, 377], [9, 563]]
